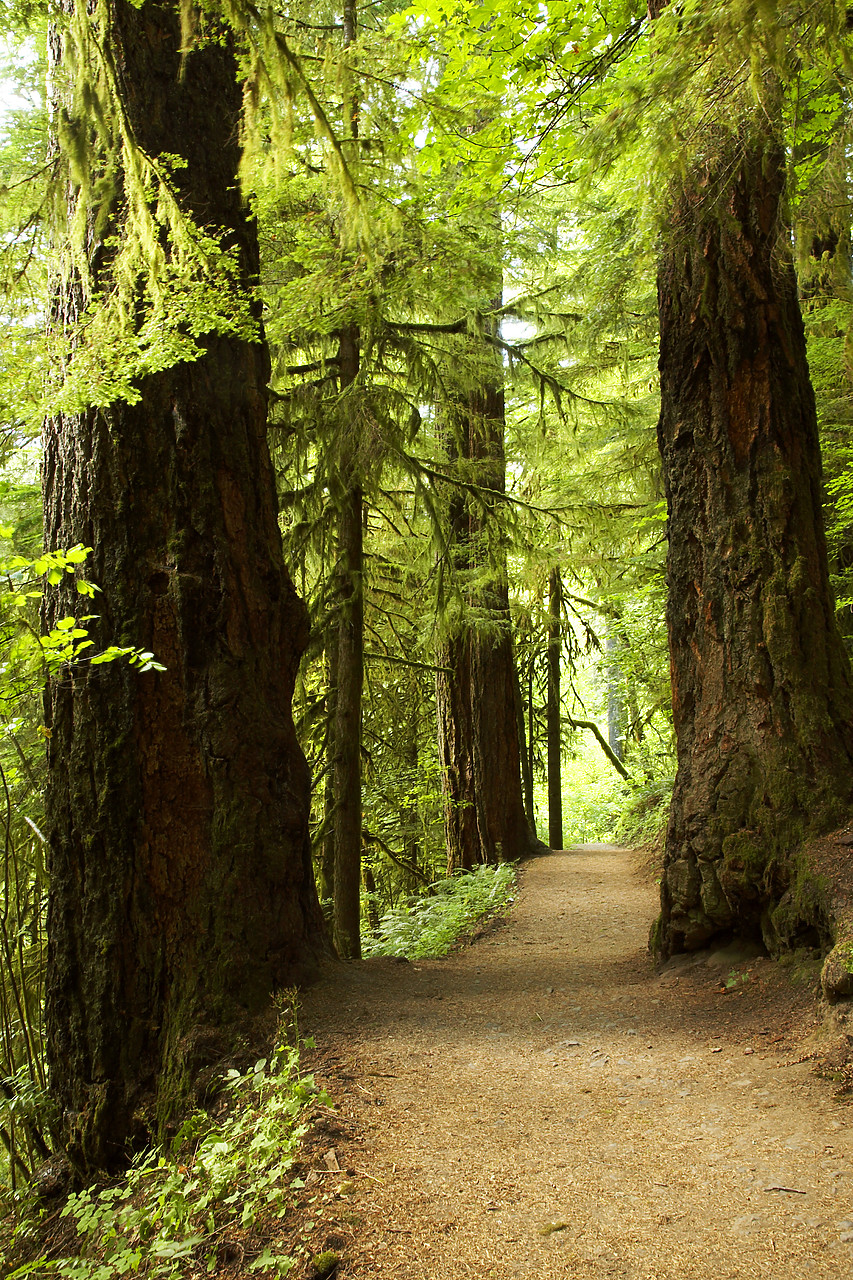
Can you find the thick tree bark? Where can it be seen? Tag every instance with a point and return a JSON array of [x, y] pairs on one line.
[[484, 814], [761, 684], [553, 708], [350, 686], [181, 889], [327, 853]]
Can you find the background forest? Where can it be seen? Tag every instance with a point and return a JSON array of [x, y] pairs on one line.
[[459, 210]]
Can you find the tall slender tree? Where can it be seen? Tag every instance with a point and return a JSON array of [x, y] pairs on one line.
[[553, 710], [350, 632], [476, 684], [349, 640], [181, 883]]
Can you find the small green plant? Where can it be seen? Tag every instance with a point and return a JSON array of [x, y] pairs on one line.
[[736, 979], [24, 650], [69, 640], [175, 1208], [431, 924], [26, 656]]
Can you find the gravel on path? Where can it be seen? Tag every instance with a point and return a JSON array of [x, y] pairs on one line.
[[544, 1103]]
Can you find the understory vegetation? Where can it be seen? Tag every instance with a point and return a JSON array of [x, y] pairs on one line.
[[428, 926], [221, 1189], [227, 1177], [457, 212]]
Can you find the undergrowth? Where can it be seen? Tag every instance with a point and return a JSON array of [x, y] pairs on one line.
[[226, 1178], [430, 925]]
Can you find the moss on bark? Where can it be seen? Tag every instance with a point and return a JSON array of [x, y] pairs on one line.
[[181, 890], [761, 683]]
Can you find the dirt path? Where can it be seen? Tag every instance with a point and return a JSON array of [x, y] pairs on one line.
[[544, 1104]]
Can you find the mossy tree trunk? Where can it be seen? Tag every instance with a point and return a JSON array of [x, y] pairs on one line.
[[326, 877], [485, 819], [613, 642], [410, 819], [350, 638], [181, 889], [761, 683], [453, 697], [553, 709], [350, 682], [526, 753]]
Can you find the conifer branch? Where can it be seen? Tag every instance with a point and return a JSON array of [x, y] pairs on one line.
[[398, 661], [474, 489], [370, 837], [423, 326], [602, 742], [320, 118]]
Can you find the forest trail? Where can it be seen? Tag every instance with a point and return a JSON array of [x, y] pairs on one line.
[[543, 1103]]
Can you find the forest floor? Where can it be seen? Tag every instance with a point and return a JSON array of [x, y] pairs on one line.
[[545, 1103]]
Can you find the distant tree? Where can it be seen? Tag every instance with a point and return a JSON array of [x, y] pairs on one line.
[[476, 682], [554, 709]]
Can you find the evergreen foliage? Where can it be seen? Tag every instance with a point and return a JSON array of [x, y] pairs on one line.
[[375, 166]]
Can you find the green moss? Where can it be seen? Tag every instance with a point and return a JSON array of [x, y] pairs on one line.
[[844, 953], [743, 872], [803, 907], [837, 973], [745, 849], [803, 965], [324, 1264]]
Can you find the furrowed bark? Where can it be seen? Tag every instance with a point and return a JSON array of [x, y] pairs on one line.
[[485, 819], [761, 683], [555, 743], [181, 890]]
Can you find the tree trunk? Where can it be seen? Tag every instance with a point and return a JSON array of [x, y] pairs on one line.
[[456, 752], [554, 728], [348, 710], [531, 734], [761, 684], [370, 890], [484, 812], [410, 822], [526, 757], [615, 710], [181, 889], [350, 686], [327, 853]]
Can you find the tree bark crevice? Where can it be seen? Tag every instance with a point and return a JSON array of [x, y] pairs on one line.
[[476, 684], [760, 681], [182, 890]]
